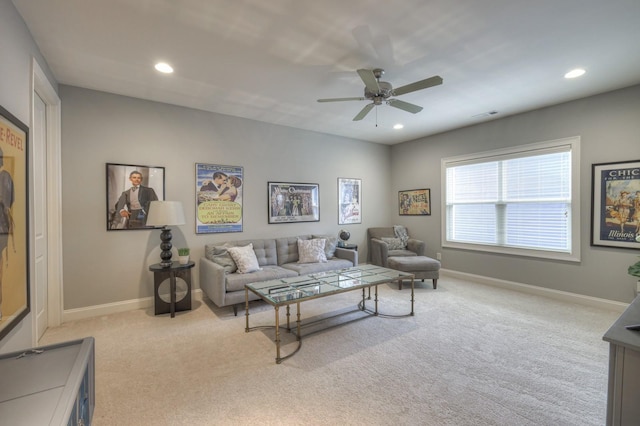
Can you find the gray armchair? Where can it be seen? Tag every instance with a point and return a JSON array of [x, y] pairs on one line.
[[379, 250]]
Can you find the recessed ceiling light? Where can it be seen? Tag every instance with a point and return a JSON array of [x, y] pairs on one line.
[[164, 67], [398, 126], [575, 73]]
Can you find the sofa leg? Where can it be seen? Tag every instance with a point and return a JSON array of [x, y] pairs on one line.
[[235, 310], [435, 283]]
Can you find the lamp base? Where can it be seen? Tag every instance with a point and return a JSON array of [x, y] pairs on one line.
[[165, 246]]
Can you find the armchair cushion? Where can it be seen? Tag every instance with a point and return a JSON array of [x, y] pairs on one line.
[[394, 243]]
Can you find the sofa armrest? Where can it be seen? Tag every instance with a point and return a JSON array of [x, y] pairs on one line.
[[213, 281], [347, 254], [379, 252], [417, 246]]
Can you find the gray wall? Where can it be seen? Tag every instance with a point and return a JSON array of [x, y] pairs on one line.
[[112, 266], [609, 127], [17, 50]]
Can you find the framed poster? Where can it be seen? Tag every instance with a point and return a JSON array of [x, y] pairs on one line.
[[349, 201], [130, 190], [615, 204], [218, 198], [293, 202], [14, 222], [414, 202]]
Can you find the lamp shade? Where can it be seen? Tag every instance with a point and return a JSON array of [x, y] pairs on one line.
[[165, 213]]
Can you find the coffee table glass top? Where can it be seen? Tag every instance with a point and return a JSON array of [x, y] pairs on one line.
[[288, 290]]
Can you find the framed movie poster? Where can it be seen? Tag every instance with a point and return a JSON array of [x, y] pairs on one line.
[[218, 198], [130, 190], [414, 202], [615, 208], [349, 201], [293, 202], [14, 221]]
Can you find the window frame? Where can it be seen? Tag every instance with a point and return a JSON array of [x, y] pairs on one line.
[[518, 152]]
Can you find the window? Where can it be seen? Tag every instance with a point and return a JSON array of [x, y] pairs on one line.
[[522, 200]]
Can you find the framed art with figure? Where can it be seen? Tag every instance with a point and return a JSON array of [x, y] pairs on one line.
[[615, 204], [414, 202], [14, 222], [130, 190], [349, 201], [218, 198], [293, 202]]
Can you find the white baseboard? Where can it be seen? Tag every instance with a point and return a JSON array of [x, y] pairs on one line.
[[196, 294], [540, 291], [117, 307]]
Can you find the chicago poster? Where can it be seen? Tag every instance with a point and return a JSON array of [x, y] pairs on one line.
[[616, 204]]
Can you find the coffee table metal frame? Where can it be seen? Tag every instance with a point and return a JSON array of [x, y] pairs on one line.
[[295, 290]]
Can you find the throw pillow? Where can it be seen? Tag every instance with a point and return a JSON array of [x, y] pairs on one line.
[[225, 260], [401, 232], [245, 259], [329, 246], [312, 251], [394, 243]]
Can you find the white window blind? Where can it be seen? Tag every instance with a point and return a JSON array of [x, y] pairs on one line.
[[516, 199]]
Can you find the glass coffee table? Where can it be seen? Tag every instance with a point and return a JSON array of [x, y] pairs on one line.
[[295, 290]]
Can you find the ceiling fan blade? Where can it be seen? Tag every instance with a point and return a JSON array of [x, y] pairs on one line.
[[418, 85], [369, 80], [364, 112], [341, 99], [406, 106]]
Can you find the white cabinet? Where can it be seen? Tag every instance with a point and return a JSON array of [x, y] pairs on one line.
[[50, 385]]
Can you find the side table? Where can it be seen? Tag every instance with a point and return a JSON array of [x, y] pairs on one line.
[[176, 270], [348, 246]]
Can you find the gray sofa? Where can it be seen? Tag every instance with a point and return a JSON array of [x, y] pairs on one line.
[[277, 258]]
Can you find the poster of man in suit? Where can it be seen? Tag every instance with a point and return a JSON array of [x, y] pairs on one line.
[[130, 190]]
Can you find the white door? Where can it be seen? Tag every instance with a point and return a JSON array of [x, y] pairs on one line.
[[39, 138]]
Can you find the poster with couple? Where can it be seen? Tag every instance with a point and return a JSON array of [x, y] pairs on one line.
[[218, 198]]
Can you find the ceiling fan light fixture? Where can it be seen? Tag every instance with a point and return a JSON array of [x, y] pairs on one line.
[[575, 73], [164, 68]]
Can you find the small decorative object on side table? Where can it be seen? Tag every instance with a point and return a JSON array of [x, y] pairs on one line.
[[344, 237], [160, 274]]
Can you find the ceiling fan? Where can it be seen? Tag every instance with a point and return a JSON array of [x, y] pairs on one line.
[[380, 91]]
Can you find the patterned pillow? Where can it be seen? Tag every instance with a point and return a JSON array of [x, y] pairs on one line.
[[401, 232], [245, 259], [394, 243], [312, 251], [329, 246]]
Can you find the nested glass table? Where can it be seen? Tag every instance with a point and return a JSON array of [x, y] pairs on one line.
[[295, 290]]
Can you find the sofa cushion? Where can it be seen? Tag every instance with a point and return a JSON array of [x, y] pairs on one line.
[[394, 243], [329, 246], [236, 282], [287, 249], [310, 268], [265, 249], [245, 258], [400, 253], [311, 251]]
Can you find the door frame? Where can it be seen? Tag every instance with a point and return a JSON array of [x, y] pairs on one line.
[[55, 302]]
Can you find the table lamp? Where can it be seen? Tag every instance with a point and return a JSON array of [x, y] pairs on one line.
[[165, 214]]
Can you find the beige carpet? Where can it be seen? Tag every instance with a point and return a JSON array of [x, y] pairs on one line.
[[472, 355]]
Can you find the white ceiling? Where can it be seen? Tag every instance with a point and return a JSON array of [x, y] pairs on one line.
[[269, 60]]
